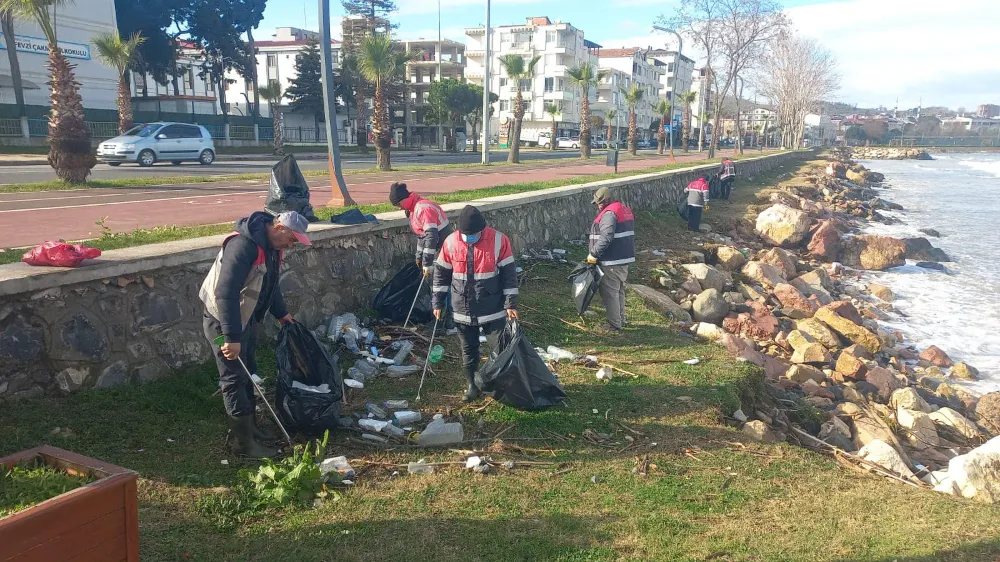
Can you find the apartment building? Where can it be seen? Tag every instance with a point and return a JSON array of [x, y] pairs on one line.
[[560, 47], [447, 55], [627, 67], [701, 84], [193, 91], [678, 78]]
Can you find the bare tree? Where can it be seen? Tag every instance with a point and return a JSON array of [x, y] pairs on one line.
[[733, 34], [794, 77]]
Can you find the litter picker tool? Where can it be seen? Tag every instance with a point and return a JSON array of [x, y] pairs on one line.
[[427, 360], [221, 340], [423, 278]]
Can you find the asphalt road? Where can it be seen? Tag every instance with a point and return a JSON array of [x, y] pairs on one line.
[[225, 165]]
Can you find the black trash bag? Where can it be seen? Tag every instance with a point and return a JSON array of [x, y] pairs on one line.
[[289, 191], [393, 302], [353, 216], [682, 207], [516, 376], [585, 281], [301, 358]]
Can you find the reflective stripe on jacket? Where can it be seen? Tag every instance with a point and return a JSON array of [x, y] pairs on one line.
[[612, 235], [697, 193], [727, 170], [429, 222], [482, 277]]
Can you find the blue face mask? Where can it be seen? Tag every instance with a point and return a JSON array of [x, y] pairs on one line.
[[472, 238]]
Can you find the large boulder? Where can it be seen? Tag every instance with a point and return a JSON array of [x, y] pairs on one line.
[[988, 412], [885, 381], [850, 367], [964, 371], [784, 260], [707, 276], [759, 431], [849, 330], [958, 423], [881, 453], [730, 258], [803, 373], [825, 242], [661, 303], [758, 324], [918, 428], [764, 273], [909, 399], [799, 339], [710, 307], [819, 332], [881, 292], [871, 252], [708, 331], [816, 283], [781, 225], [935, 356], [792, 300], [976, 474], [845, 309], [920, 249], [813, 353]]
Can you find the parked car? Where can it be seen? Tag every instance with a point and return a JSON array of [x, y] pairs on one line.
[[159, 142], [568, 142]]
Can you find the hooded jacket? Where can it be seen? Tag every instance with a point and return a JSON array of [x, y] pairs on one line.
[[612, 235], [429, 222], [243, 282], [482, 278], [698, 193]]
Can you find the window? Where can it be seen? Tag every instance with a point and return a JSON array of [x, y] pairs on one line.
[[425, 97], [670, 67], [504, 105], [272, 61], [189, 79], [560, 84], [171, 132], [503, 82], [550, 36], [550, 84], [190, 131], [525, 85], [210, 83]]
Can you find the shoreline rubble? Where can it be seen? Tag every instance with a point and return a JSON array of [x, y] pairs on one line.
[[785, 293]]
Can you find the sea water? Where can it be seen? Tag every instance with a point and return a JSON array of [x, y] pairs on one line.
[[958, 310]]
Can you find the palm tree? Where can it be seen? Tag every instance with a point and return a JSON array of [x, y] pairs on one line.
[[553, 111], [120, 55], [70, 153], [7, 26], [662, 108], [273, 93], [633, 96], [687, 99], [612, 114], [379, 61], [585, 77], [517, 70]]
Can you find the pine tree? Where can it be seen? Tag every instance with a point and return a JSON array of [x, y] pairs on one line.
[[306, 90]]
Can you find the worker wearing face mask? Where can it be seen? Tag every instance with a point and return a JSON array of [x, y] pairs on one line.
[[476, 266]]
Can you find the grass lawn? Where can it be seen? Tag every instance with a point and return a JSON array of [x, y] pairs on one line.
[[707, 492], [142, 236]]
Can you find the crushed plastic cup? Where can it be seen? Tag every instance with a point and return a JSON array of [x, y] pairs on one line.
[[473, 462], [605, 374]]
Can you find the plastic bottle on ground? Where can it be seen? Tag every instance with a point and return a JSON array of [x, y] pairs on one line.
[[396, 404], [560, 354], [419, 468], [375, 410], [396, 371], [351, 338], [393, 430], [338, 464], [439, 432], [367, 368], [437, 353], [406, 417], [337, 324], [404, 351]]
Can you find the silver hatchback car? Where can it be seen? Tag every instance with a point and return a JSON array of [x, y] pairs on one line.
[[159, 142]]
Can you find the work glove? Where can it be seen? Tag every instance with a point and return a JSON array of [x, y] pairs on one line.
[[591, 259], [428, 270]]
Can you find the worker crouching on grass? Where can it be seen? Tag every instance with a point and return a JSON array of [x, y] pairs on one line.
[[240, 289], [430, 223], [476, 267], [612, 246]]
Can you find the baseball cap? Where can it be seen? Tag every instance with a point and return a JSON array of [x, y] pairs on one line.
[[297, 224]]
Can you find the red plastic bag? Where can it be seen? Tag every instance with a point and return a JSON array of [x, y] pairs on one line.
[[59, 254]]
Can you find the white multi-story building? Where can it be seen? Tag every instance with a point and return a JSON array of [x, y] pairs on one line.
[[678, 78], [78, 23], [194, 92], [701, 84], [560, 47], [628, 67], [420, 73]]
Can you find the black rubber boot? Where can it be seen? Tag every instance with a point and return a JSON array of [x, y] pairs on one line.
[[473, 392], [261, 434], [244, 443]]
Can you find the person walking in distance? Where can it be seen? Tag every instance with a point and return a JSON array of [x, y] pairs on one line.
[[612, 246], [239, 290], [727, 175], [476, 268], [430, 223], [697, 192]]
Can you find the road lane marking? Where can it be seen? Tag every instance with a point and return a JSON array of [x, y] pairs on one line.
[[181, 199]]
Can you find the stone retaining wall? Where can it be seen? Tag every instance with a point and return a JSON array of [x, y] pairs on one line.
[[134, 315]]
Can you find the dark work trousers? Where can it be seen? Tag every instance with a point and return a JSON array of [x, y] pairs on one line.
[[237, 388], [727, 187], [469, 336], [694, 217]]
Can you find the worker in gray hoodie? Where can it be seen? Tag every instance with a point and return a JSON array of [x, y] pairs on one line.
[[612, 247]]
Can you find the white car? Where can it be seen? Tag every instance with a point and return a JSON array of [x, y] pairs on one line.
[[566, 142], [159, 142]]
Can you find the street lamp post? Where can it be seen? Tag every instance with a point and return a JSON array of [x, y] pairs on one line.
[[330, 110], [486, 90], [677, 66]]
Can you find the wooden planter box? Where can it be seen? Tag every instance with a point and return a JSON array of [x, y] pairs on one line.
[[96, 522]]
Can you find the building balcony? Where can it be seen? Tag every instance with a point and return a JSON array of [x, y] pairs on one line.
[[477, 53], [559, 95]]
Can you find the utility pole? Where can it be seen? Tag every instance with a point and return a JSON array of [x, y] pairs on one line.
[[330, 110], [441, 143], [486, 91]]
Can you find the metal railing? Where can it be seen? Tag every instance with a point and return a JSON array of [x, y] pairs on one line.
[[10, 128], [38, 127], [102, 129], [240, 132], [218, 132], [306, 135], [265, 133]]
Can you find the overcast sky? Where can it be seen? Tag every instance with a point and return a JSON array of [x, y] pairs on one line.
[[945, 53]]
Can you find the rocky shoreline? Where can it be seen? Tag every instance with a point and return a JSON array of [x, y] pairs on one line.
[[883, 153], [782, 292]]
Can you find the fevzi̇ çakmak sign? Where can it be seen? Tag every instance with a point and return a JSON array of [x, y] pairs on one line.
[[38, 46]]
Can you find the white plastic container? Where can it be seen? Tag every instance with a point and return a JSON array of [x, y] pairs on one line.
[[406, 417], [439, 432]]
